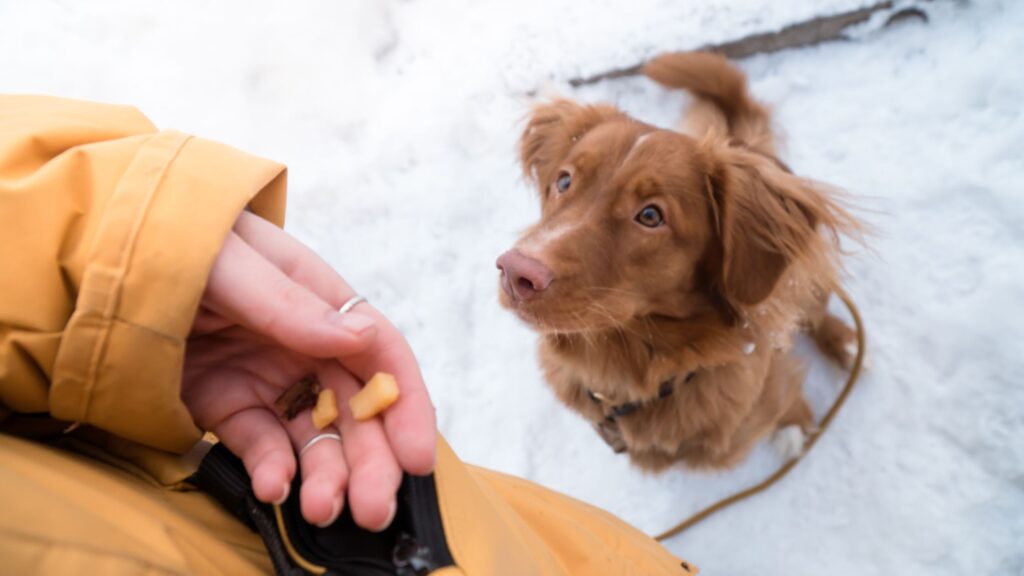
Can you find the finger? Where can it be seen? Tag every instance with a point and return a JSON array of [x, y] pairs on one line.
[[256, 436], [324, 471], [293, 258], [231, 408], [410, 422], [374, 475], [207, 322], [247, 288]]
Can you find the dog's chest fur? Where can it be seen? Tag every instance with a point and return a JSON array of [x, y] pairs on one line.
[[697, 423]]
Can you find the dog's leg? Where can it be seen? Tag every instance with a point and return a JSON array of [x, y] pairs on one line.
[[790, 437], [781, 406], [789, 442], [799, 414], [836, 340]]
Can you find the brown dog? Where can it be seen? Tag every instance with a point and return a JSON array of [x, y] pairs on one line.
[[668, 273]]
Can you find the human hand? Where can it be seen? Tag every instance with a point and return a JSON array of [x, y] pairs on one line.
[[269, 317]]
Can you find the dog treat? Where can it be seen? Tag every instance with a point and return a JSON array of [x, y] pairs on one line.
[[298, 397], [379, 393], [326, 410]]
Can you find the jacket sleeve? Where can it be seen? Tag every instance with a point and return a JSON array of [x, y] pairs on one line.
[[108, 229]]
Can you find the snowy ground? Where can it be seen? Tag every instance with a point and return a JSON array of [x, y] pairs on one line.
[[398, 121]]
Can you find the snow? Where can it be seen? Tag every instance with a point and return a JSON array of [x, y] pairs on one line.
[[398, 121]]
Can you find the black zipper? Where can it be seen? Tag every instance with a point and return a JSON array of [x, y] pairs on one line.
[[425, 519], [414, 545]]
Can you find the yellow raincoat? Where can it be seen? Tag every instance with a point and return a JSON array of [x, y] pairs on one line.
[[108, 229]]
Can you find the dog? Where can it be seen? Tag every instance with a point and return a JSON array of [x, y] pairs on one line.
[[670, 271]]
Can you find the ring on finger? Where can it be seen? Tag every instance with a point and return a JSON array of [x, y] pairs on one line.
[[322, 436], [350, 304]]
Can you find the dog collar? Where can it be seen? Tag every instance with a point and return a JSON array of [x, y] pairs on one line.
[[619, 410]]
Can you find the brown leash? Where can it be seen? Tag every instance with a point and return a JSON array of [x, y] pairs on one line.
[[785, 468]]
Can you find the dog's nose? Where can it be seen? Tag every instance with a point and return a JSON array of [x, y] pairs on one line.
[[522, 277]]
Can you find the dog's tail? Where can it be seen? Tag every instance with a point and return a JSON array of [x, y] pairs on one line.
[[711, 77]]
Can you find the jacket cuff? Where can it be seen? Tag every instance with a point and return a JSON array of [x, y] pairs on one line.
[[119, 365]]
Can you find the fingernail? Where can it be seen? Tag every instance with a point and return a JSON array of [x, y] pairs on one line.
[[284, 494], [391, 517], [355, 323], [335, 512]]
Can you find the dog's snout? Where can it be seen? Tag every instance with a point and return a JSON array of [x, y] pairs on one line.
[[522, 277]]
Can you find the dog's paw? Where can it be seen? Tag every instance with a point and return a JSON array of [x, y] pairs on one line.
[[849, 356], [789, 442]]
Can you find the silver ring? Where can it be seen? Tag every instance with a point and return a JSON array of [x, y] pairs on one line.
[[317, 438], [350, 304]]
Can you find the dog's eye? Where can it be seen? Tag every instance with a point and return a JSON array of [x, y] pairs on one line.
[[650, 216], [563, 182]]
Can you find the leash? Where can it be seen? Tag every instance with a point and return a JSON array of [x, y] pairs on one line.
[[812, 438]]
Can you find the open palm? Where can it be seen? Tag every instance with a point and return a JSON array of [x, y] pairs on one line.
[[268, 318]]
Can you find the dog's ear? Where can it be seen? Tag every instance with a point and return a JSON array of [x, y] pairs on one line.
[[765, 218], [551, 132]]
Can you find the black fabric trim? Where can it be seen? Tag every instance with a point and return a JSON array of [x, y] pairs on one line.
[[413, 545], [223, 476]]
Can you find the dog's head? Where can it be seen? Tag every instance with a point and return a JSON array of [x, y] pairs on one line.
[[638, 221]]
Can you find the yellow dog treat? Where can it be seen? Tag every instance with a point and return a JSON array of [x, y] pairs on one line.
[[379, 393], [326, 409]]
